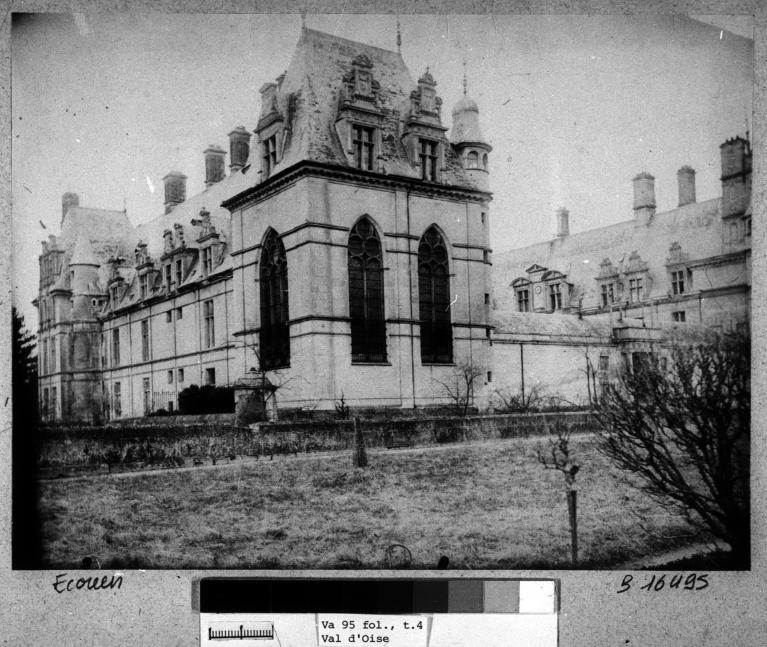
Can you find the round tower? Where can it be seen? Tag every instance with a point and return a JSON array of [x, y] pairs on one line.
[[468, 141]]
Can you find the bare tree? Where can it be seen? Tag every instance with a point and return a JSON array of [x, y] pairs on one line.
[[459, 386], [559, 456], [681, 426], [271, 384], [508, 401]]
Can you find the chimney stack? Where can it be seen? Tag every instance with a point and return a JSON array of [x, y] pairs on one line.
[[68, 200], [644, 197], [736, 176], [563, 222], [175, 189], [239, 148], [686, 179], [214, 164]]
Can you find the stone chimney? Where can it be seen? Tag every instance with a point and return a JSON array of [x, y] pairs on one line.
[[563, 222], [214, 164], [239, 148], [736, 176], [68, 200], [175, 189], [686, 179], [644, 198]]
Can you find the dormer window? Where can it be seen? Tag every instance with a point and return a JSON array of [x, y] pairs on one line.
[[677, 282], [523, 299], [143, 283], [608, 294], [555, 296], [207, 260], [428, 156], [636, 289], [363, 145], [269, 154], [179, 272], [168, 279]]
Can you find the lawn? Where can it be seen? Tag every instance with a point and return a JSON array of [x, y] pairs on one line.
[[484, 505]]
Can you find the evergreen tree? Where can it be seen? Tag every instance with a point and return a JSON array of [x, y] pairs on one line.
[[26, 527]]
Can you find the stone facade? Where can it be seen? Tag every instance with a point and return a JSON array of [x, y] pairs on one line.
[[593, 298], [349, 229], [346, 255]]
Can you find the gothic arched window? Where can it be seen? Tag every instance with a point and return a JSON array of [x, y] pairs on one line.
[[274, 336], [434, 299], [366, 294]]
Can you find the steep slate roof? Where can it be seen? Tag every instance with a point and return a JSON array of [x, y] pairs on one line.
[[697, 227], [151, 232], [315, 77], [547, 326], [108, 232]]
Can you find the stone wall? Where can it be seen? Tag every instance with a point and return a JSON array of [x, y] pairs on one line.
[[68, 450]]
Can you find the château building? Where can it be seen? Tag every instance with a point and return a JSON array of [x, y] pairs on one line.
[[345, 253]]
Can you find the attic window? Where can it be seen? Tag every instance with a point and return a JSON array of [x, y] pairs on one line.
[[207, 260], [428, 157], [555, 296], [179, 272], [363, 144], [472, 160], [269, 154], [143, 282]]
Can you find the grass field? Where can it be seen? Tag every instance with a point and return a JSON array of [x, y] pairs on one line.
[[483, 505]]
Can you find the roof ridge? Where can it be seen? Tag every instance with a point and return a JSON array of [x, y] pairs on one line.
[[349, 40]]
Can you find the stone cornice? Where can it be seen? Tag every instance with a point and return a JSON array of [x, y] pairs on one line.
[[318, 169]]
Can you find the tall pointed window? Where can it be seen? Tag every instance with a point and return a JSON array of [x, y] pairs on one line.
[[434, 299], [274, 336], [366, 294]]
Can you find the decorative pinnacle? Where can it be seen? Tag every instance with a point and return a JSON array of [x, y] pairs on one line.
[[399, 36], [464, 77]]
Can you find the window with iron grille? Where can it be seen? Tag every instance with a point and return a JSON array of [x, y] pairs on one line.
[[677, 282], [428, 157], [115, 346], [523, 300], [145, 350], [210, 324], [269, 154], [363, 138], [366, 294], [274, 335], [608, 294], [434, 299], [555, 296], [117, 406], [147, 396]]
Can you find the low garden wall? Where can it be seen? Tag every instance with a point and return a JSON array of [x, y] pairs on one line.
[[188, 440]]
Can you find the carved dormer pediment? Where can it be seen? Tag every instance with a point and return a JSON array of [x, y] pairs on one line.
[[635, 264], [205, 225], [360, 87], [179, 235], [168, 244], [535, 268], [607, 270], [676, 256], [142, 257]]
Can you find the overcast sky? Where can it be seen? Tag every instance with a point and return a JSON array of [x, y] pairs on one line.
[[574, 107]]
